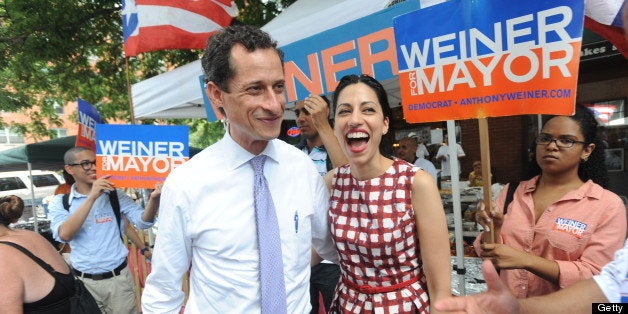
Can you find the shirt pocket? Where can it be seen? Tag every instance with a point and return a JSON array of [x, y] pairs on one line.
[[567, 243]]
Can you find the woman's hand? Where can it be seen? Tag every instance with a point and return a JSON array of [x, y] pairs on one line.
[[504, 256], [484, 218]]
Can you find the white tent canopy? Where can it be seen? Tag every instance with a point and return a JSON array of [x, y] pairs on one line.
[[177, 93]]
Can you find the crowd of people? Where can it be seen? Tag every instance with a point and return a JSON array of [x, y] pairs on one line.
[[261, 226]]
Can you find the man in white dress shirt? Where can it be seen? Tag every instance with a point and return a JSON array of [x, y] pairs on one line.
[[207, 215], [443, 156]]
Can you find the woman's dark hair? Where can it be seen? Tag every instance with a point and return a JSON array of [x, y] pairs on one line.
[[69, 179], [385, 147], [11, 209], [594, 167]]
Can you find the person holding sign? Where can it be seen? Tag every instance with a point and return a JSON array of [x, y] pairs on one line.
[[562, 226], [243, 214], [321, 145], [92, 225], [386, 216]]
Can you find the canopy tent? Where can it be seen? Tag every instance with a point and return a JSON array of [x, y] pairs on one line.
[[46, 155], [177, 93]]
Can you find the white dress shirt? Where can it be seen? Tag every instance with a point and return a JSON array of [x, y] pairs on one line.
[[426, 165], [445, 164], [613, 279], [422, 151], [207, 224]]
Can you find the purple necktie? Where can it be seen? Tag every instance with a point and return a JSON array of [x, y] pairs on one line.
[[273, 290]]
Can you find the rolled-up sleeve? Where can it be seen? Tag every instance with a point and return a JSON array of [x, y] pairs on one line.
[[58, 215], [607, 238], [613, 275], [132, 210]]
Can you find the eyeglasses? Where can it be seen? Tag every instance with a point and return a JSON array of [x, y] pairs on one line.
[[85, 164], [560, 142]]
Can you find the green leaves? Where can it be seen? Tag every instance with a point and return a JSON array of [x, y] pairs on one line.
[[53, 51]]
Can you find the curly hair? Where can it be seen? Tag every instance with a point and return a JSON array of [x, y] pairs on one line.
[[216, 61], [11, 209], [385, 146], [594, 167]]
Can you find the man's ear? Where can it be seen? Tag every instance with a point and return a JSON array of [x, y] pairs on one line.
[[68, 169], [215, 94]]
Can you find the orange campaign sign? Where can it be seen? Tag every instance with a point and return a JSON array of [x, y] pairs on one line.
[[140, 156], [488, 58]]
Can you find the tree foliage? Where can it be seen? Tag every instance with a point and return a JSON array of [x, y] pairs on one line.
[[53, 51]]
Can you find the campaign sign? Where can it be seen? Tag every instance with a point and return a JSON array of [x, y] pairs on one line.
[[88, 117], [488, 58], [139, 156], [316, 64]]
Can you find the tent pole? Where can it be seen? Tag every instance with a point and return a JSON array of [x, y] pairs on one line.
[[33, 206], [455, 194]]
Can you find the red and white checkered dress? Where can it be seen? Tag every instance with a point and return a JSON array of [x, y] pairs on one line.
[[373, 226]]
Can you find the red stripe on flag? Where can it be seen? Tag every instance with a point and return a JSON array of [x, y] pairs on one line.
[[169, 37], [164, 37], [614, 35], [205, 8]]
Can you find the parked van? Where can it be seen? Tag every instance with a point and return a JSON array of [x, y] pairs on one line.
[[19, 183]]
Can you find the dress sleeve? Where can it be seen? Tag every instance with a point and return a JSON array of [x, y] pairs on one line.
[[607, 238]]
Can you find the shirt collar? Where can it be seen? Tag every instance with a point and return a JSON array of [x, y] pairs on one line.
[[238, 156], [588, 189], [74, 193], [302, 145]]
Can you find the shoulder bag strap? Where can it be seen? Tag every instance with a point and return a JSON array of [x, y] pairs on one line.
[[115, 205], [28, 253], [66, 201]]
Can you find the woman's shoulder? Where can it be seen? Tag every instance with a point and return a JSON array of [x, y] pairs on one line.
[[595, 190]]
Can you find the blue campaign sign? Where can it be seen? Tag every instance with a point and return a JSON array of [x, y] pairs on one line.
[[140, 155], [489, 58], [458, 30], [88, 118], [315, 65]]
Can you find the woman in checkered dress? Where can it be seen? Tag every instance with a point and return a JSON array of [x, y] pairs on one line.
[[380, 208]]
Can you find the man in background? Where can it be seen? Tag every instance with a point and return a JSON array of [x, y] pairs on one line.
[[445, 160], [407, 151], [320, 144], [94, 231]]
